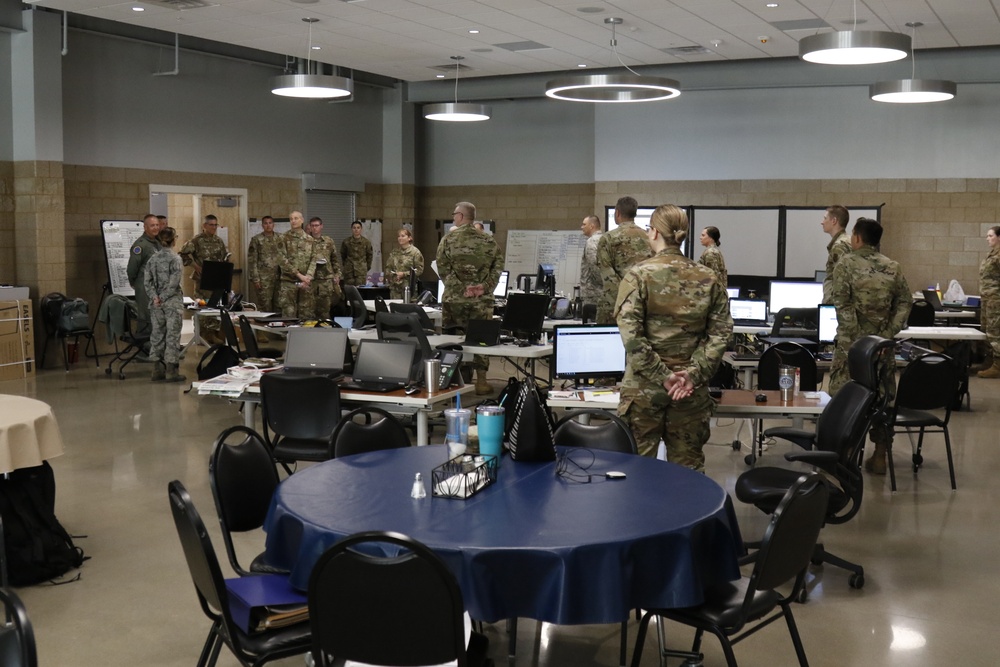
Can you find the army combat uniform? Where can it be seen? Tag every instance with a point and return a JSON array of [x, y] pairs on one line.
[[263, 258], [163, 280], [467, 256], [839, 246], [357, 254], [142, 251], [989, 291], [591, 283], [326, 281], [713, 259], [298, 256], [402, 259], [673, 315], [617, 251]]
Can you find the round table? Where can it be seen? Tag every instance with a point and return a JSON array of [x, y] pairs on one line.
[[531, 545], [29, 433]]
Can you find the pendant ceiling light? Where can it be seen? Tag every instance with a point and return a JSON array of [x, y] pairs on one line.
[[855, 47], [309, 85], [455, 112], [913, 90], [613, 87]]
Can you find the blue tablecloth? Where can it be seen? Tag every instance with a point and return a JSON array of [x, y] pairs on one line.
[[532, 545]]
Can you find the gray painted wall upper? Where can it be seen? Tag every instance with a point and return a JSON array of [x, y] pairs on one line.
[[217, 116]]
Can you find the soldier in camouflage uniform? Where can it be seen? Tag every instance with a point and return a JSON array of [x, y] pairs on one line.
[[298, 266], [357, 254], [204, 247], [162, 282], [401, 260], [142, 250], [591, 284], [674, 321], [712, 256], [872, 298], [835, 224], [326, 281], [469, 262], [989, 291], [263, 258], [617, 251]]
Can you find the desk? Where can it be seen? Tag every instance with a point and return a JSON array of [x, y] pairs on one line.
[[29, 433], [748, 368], [531, 545], [954, 315], [941, 333]]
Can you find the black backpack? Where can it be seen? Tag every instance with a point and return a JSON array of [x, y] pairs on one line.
[[216, 361], [37, 547]]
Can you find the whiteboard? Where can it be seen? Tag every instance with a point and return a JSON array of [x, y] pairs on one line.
[[806, 242], [118, 236], [749, 238], [527, 248]]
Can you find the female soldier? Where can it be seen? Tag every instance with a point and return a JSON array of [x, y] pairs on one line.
[[166, 306], [674, 321], [712, 256], [401, 260], [989, 291]]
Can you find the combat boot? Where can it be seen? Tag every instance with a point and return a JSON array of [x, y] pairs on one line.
[[159, 372], [991, 372], [876, 462], [483, 387], [173, 375]]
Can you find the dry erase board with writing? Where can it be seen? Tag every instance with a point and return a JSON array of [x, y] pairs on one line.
[[118, 237], [563, 249]]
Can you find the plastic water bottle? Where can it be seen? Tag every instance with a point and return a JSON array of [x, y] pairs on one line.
[[418, 490]]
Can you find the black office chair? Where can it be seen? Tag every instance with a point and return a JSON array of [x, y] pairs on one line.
[[403, 609], [243, 477], [929, 382], [406, 327], [794, 318], [250, 342], [588, 313], [136, 343], [352, 437], [380, 305], [257, 648], [921, 314], [785, 552], [229, 334], [17, 636], [300, 413], [416, 309], [51, 312], [358, 309], [612, 434]]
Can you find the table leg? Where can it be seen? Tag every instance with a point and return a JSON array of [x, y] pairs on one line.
[[422, 427], [748, 377], [249, 410]]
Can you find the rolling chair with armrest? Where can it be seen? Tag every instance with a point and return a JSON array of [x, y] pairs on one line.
[[380, 305], [794, 318], [250, 342], [300, 413], [51, 311], [17, 636], [405, 327], [383, 432], [229, 333], [135, 342], [415, 308], [358, 309]]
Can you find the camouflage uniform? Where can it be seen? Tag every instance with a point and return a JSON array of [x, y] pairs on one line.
[[326, 282], [163, 279], [142, 251], [617, 251], [674, 315], [203, 248], [713, 259], [989, 291], [839, 246], [467, 256], [298, 256], [402, 259], [591, 284], [357, 254], [263, 258], [872, 298]]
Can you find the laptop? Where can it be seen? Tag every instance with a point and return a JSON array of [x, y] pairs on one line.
[[382, 365], [482, 333], [316, 351], [748, 312], [931, 297]]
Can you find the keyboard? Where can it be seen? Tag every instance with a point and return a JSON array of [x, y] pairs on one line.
[[746, 356], [824, 356], [367, 385], [751, 323]]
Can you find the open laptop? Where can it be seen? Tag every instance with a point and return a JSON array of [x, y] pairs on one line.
[[482, 333], [748, 312], [316, 351], [931, 297], [382, 365]]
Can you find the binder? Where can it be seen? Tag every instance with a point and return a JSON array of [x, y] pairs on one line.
[[263, 602]]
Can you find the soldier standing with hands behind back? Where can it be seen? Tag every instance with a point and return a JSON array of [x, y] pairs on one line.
[[263, 258], [357, 254], [617, 251], [162, 281]]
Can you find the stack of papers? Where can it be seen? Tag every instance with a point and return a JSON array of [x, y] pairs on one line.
[[225, 385], [601, 396]]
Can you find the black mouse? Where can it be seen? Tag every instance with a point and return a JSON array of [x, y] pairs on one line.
[[760, 398]]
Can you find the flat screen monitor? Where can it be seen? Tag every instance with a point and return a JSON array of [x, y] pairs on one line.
[[501, 289], [525, 314], [584, 352], [385, 360], [315, 350], [786, 294], [827, 323], [440, 291], [819, 276], [217, 278], [733, 292], [545, 279], [748, 309], [642, 216]]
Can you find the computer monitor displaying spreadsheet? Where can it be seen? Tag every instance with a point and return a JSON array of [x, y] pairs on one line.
[[786, 294], [827, 323], [585, 352], [748, 309]]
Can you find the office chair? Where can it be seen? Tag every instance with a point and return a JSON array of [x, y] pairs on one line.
[[250, 342], [401, 608], [588, 313], [380, 305], [384, 432], [785, 552], [17, 636], [921, 314], [127, 332], [51, 311], [929, 382], [300, 413], [399, 326], [229, 334], [257, 648], [612, 434], [417, 309], [243, 478], [358, 309], [794, 318]]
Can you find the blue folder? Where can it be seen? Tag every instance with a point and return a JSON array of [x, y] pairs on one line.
[[250, 596]]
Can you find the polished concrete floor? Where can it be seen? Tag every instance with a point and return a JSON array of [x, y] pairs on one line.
[[930, 554]]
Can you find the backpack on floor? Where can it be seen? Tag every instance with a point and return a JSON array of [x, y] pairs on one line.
[[36, 545], [216, 361]]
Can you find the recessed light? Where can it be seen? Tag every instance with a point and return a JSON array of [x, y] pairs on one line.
[[138, 9], [439, 76], [316, 48], [582, 65], [590, 10], [771, 5], [473, 32]]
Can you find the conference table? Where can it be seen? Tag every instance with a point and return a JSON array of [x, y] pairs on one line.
[[29, 433], [533, 544]]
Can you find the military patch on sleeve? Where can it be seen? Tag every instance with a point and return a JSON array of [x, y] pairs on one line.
[[137, 250]]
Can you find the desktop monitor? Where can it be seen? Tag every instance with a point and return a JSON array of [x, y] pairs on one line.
[[525, 314], [545, 280], [733, 292], [787, 294], [748, 309], [217, 278], [827, 323], [585, 352], [819, 277], [501, 289]]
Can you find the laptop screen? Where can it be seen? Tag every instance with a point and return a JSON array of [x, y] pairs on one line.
[[501, 289], [931, 297], [827, 323], [748, 309], [318, 349], [733, 292], [384, 361]]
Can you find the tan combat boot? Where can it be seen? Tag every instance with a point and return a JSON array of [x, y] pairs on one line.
[[159, 372], [173, 375], [483, 387], [876, 462], [991, 372]]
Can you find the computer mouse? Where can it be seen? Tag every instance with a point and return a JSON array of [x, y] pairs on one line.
[[760, 398], [523, 343]]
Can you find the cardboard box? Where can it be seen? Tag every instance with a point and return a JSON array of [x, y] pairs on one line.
[[17, 340]]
